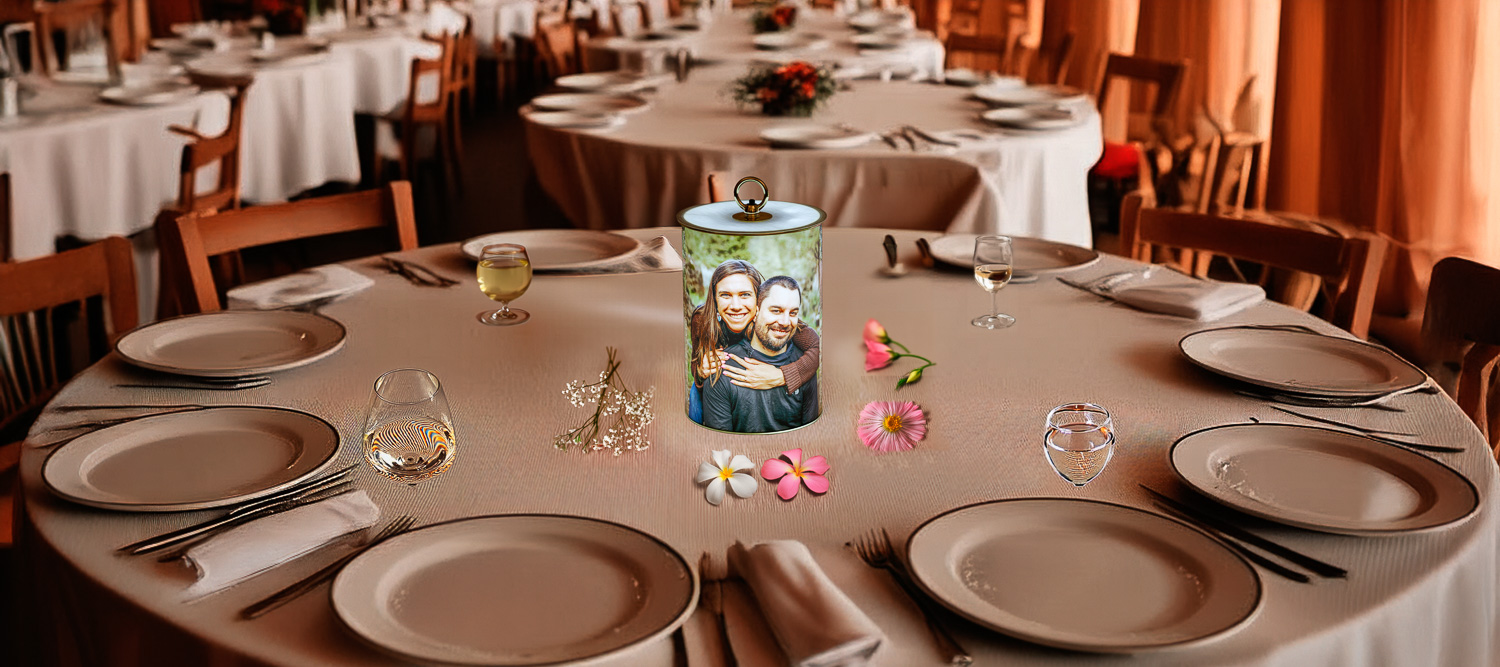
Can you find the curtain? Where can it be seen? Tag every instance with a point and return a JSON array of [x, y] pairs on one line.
[[1386, 118], [1098, 27], [1226, 42]]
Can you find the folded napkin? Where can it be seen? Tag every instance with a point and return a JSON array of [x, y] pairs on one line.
[[247, 550], [1172, 293], [654, 255], [298, 288], [813, 621]]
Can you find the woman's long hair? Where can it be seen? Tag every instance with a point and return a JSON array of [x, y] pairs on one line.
[[704, 324]]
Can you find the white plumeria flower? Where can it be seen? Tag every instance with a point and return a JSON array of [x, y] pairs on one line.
[[726, 470]]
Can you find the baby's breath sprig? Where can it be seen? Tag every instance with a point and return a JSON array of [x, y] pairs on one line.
[[611, 398]]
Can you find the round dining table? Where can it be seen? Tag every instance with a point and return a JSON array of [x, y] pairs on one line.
[[1031, 183], [1421, 598]]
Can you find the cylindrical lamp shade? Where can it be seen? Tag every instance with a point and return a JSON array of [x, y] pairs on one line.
[[752, 305]]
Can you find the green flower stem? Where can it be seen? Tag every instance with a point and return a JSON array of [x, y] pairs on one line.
[[917, 356]]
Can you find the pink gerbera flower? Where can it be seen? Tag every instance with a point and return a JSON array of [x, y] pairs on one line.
[[793, 472], [891, 426]]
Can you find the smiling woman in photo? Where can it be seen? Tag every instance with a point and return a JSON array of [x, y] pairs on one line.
[[723, 320]]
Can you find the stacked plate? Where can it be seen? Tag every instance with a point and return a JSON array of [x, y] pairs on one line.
[[593, 103], [1312, 477], [1002, 95], [883, 39], [232, 343], [1029, 255], [558, 249], [515, 590], [816, 136], [876, 19], [787, 41], [577, 120], [608, 82], [297, 54], [1031, 118], [151, 93]]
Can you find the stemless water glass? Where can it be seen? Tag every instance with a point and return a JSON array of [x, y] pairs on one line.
[[504, 274], [408, 430], [1080, 441], [992, 267]]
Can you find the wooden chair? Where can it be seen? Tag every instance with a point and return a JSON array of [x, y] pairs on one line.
[[71, 15], [967, 46], [1349, 265], [426, 107], [5, 224], [38, 307], [617, 18], [557, 48], [187, 241], [222, 150], [1121, 161], [717, 191], [464, 65], [1461, 332]]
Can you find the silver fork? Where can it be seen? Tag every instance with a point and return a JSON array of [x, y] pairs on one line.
[[399, 525], [874, 548], [716, 607]]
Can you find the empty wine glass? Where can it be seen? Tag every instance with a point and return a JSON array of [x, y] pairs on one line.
[[1080, 441], [408, 431], [992, 268], [504, 274]]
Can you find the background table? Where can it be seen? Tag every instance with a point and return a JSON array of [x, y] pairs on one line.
[[1410, 600]]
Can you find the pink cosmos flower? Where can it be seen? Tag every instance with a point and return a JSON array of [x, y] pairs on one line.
[[790, 468], [890, 426], [875, 332], [878, 355]]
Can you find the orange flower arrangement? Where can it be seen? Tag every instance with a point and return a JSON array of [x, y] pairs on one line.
[[793, 89], [779, 17]]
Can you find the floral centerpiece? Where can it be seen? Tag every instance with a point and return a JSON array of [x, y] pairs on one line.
[[793, 89], [285, 17], [774, 18]]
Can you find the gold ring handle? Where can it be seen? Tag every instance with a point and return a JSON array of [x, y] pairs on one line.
[[751, 209]]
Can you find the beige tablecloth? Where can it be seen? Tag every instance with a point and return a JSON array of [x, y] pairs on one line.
[[1422, 599]]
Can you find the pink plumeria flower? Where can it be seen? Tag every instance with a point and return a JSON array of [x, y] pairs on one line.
[[726, 471], [875, 332], [878, 355], [891, 426], [793, 472]]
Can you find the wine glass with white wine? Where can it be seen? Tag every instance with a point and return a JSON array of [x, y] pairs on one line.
[[992, 268], [408, 429], [1080, 441], [504, 274]]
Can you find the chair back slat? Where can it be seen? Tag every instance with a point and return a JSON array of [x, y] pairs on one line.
[[1350, 265], [188, 241], [32, 344], [5, 224]]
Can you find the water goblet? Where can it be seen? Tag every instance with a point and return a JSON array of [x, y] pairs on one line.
[[408, 429], [992, 270], [1080, 441], [504, 274]]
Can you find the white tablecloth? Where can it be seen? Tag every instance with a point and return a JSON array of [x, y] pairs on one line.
[[87, 169], [502, 21], [381, 61], [1419, 599]]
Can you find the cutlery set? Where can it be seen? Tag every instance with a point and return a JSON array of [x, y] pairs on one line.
[[1241, 540], [916, 139], [874, 548], [396, 527], [416, 274]]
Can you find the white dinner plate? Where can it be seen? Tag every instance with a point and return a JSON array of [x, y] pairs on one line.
[[878, 19], [149, 94], [558, 249], [191, 460], [1322, 479], [784, 41], [232, 343], [614, 82], [1083, 575], [815, 136], [515, 590], [1029, 255], [1015, 96], [590, 103], [1031, 118], [1301, 362], [963, 76], [577, 120]]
